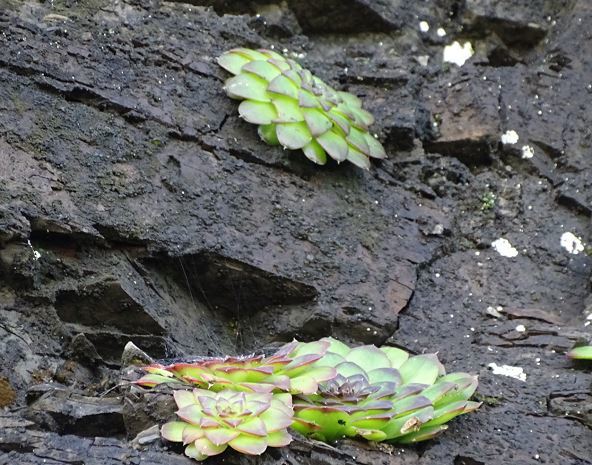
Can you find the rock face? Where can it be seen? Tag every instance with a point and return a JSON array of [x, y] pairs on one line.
[[136, 206]]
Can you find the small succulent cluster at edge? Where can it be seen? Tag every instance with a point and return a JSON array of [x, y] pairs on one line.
[[297, 110], [322, 389]]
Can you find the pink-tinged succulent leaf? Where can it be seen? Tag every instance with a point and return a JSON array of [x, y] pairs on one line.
[[257, 112], [303, 385], [208, 404], [437, 391], [316, 120], [337, 347], [280, 63], [247, 86], [233, 422], [314, 152], [368, 357], [340, 120], [407, 390], [357, 139], [262, 68], [334, 144], [396, 356], [173, 431], [220, 436], [256, 408], [580, 353], [192, 433], [184, 398], [251, 445], [152, 380], [279, 439], [284, 86], [448, 412], [191, 414], [347, 369], [423, 369], [275, 420], [318, 348], [208, 422], [206, 447], [422, 434], [287, 110], [254, 426], [307, 99], [358, 158], [192, 452], [384, 375], [293, 136], [410, 404], [301, 361]]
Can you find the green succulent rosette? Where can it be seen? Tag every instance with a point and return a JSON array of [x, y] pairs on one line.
[[248, 422], [291, 369], [383, 395], [296, 110]]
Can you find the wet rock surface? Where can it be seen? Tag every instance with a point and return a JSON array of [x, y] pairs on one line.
[[136, 206]]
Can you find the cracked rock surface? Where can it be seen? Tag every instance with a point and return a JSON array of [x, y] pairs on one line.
[[136, 206]]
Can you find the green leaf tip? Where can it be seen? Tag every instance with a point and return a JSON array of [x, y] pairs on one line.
[[277, 93]]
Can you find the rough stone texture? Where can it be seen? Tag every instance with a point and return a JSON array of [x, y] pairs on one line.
[[136, 206]]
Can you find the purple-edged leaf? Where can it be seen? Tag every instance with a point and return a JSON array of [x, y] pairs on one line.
[[448, 412], [264, 69], [252, 54], [184, 398], [340, 120], [395, 355], [307, 99], [275, 419], [376, 148], [284, 86], [283, 399], [208, 404], [257, 112], [293, 136], [232, 421], [254, 426], [357, 139], [303, 384], [423, 369], [247, 86], [422, 435], [368, 357], [280, 63], [315, 153], [257, 408], [330, 359], [301, 361], [334, 144], [191, 414], [192, 433], [580, 353], [232, 62], [268, 134], [384, 375], [438, 391], [310, 348], [209, 422], [410, 404], [279, 439], [220, 436], [206, 447], [316, 120], [350, 99], [407, 390], [192, 452], [251, 445], [293, 76], [287, 109], [465, 386], [358, 158], [152, 380], [173, 431]]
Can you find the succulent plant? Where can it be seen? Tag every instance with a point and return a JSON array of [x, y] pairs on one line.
[[290, 369], [248, 422], [297, 110], [383, 395], [580, 353]]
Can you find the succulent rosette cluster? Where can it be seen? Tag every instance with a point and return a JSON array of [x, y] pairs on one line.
[[290, 369], [210, 422], [383, 394], [297, 110]]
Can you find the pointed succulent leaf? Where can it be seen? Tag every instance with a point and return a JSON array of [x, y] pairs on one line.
[[254, 426], [263, 69], [257, 112], [422, 369], [369, 357], [268, 134], [279, 439], [384, 375], [316, 120], [314, 152], [334, 144], [422, 434], [358, 158], [191, 433], [192, 452], [287, 109], [184, 398], [232, 62], [293, 135], [348, 369], [220, 436], [151, 380], [206, 447], [410, 404], [376, 148], [395, 355], [247, 86], [173, 431], [413, 421], [580, 353], [251, 445], [284, 86]]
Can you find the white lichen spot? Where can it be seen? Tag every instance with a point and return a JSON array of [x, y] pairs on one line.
[[510, 137], [423, 59], [504, 248], [520, 328], [527, 151], [441, 32], [508, 370], [571, 243], [424, 26], [36, 253], [457, 53]]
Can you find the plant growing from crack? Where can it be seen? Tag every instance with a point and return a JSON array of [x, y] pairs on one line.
[[297, 110], [323, 389], [583, 352]]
